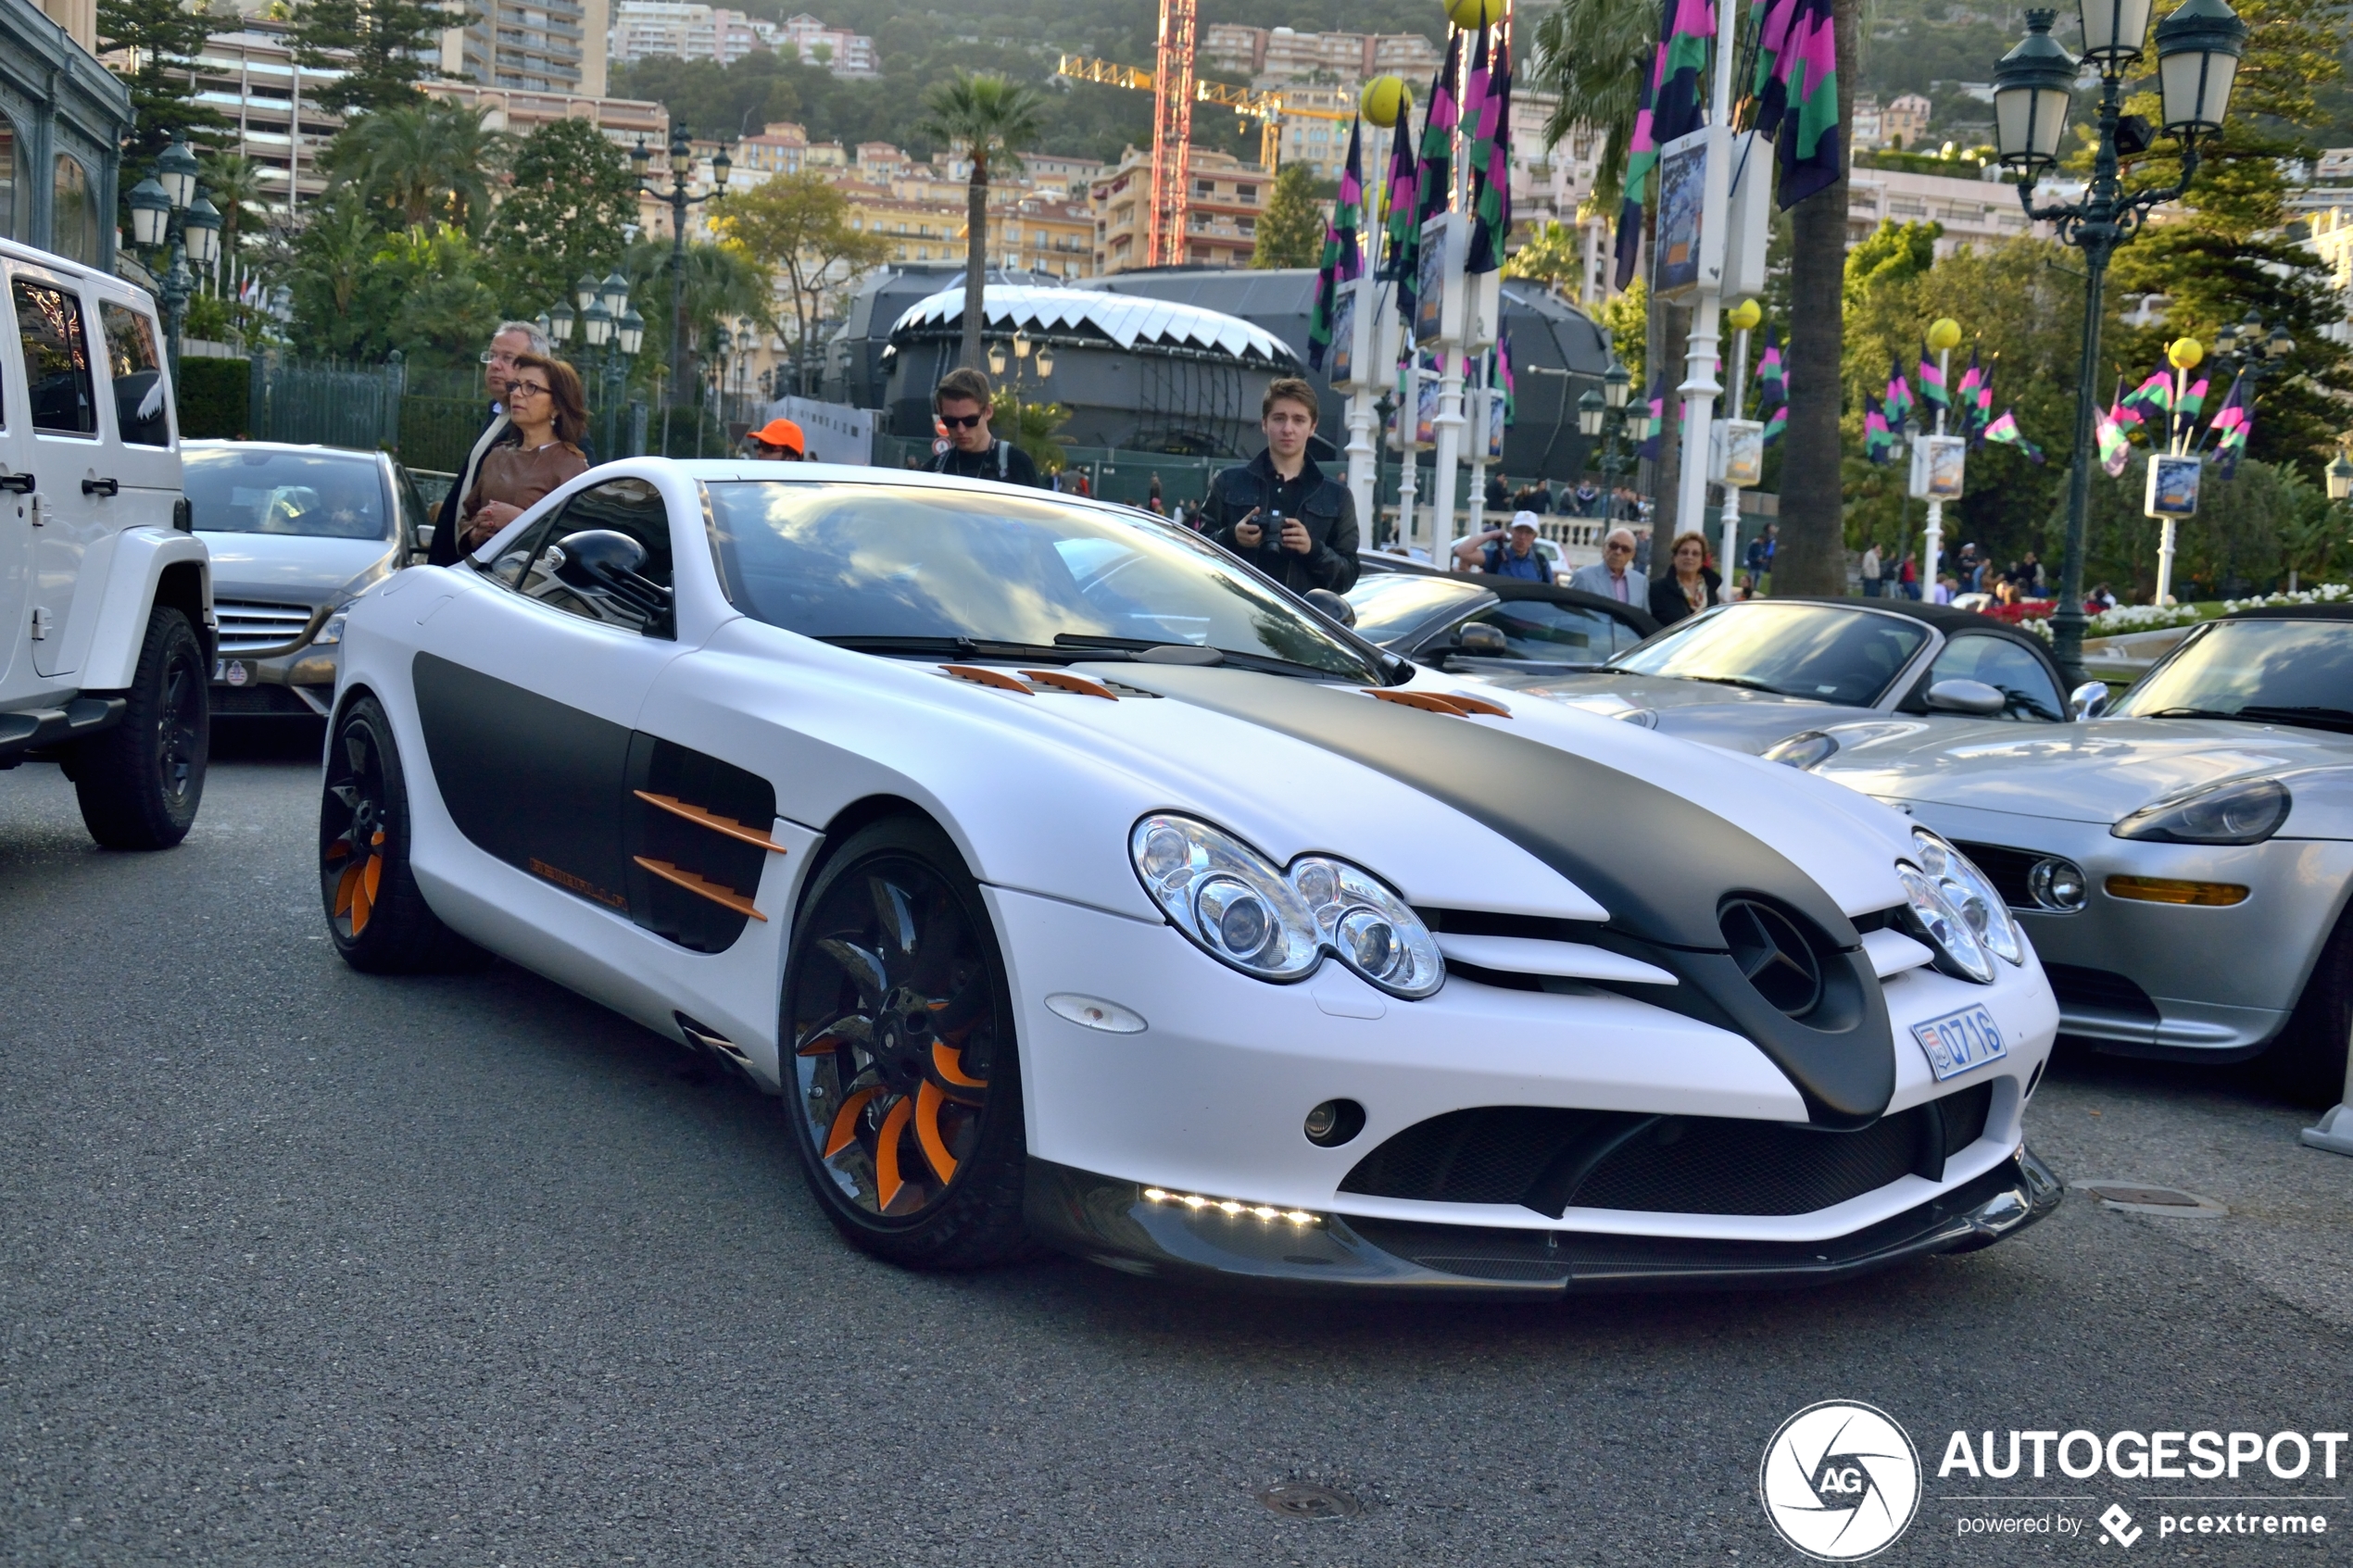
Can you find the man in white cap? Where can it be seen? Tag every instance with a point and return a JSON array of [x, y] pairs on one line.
[[1613, 576], [1506, 552]]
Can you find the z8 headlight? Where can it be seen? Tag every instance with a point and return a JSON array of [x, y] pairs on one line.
[[1972, 894], [1237, 907], [2246, 812]]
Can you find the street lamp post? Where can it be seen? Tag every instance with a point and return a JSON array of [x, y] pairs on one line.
[[1601, 416], [610, 334], [170, 214], [679, 199], [2197, 49]]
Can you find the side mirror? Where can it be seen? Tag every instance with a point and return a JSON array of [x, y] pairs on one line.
[[2090, 700], [601, 560], [1967, 697], [1478, 638], [1332, 605]]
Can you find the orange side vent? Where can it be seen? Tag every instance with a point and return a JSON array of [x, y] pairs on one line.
[[1062, 680], [1449, 703], [995, 678], [725, 897], [743, 833]]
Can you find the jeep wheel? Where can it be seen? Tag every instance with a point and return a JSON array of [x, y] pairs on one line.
[[140, 782], [376, 916]]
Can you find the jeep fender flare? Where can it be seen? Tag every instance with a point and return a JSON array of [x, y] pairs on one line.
[[151, 566]]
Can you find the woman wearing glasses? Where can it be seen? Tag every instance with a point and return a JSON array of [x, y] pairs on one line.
[[550, 413]]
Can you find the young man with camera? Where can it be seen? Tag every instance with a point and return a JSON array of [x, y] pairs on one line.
[[1279, 511]]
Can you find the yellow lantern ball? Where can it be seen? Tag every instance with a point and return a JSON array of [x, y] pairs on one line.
[[2185, 352], [1470, 14], [1385, 100], [1943, 333], [1745, 315]]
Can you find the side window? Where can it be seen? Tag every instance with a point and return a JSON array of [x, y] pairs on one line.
[[2002, 664], [141, 402], [56, 359], [1560, 633], [630, 507]]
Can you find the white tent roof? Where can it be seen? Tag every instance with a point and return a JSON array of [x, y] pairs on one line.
[[1125, 319]]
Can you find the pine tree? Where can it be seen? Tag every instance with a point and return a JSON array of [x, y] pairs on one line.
[[384, 47], [159, 37], [1291, 231]]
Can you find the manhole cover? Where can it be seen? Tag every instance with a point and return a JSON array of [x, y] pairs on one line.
[[2139, 1197], [1306, 1500]]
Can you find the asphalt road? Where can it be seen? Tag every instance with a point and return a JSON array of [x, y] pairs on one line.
[[300, 1267]]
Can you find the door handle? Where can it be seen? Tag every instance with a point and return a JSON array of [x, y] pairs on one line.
[[100, 487], [20, 483]]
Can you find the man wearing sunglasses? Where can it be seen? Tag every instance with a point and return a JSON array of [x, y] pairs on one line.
[[961, 402]]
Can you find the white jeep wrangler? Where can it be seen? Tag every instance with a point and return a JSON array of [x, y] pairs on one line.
[[106, 594]]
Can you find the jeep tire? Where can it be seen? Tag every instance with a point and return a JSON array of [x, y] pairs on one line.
[[140, 783]]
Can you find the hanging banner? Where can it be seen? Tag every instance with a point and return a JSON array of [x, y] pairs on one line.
[[1937, 463], [2172, 485]]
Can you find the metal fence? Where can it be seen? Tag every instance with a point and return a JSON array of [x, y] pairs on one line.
[[333, 405]]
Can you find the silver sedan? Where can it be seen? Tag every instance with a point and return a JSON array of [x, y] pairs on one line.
[[2182, 863]]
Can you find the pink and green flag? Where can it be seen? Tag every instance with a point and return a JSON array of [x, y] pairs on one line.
[[1670, 107], [1655, 429], [1490, 109], [1879, 436], [2153, 399], [1776, 424], [1402, 261], [1796, 91], [1899, 397], [1932, 391], [2004, 430], [2234, 423], [1772, 376], [2186, 412], [1344, 259], [2116, 447]]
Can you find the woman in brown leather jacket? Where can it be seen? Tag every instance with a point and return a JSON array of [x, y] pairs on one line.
[[550, 414]]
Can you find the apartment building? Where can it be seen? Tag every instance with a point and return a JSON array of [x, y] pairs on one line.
[[1271, 56], [1054, 235], [247, 74], [1973, 211], [680, 30], [840, 51], [783, 148], [625, 121], [916, 230], [1071, 176], [538, 45], [1225, 201]]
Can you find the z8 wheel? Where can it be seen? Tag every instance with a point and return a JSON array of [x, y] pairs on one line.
[[140, 783], [2308, 1060], [375, 914], [905, 1098]]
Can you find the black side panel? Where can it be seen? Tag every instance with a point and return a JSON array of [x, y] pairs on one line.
[[530, 780], [696, 778]]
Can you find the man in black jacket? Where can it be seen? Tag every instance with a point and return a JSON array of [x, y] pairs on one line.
[[962, 401], [1315, 544]]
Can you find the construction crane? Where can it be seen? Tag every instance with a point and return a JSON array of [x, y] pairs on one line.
[[1270, 109]]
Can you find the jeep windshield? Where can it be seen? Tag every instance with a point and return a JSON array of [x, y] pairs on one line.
[[906, 569]]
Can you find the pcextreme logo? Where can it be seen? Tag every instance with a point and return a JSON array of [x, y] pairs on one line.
[[1841, 1481]]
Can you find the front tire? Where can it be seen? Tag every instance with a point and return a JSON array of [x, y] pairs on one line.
[[904, 1088], [376, 916], [140, 783], [2308, 1061]]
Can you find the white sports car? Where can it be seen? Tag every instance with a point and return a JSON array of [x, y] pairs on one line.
[[1072, 883]]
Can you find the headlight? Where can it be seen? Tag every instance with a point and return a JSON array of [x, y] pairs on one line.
[[332, 631], [2246, 812], [1808, 749], [1237, 907], [1972, 894], [1959, 952]]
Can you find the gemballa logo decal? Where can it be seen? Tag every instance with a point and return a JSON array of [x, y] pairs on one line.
[[1841, 1481]]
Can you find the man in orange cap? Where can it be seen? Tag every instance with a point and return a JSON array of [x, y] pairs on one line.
[[778, 440]]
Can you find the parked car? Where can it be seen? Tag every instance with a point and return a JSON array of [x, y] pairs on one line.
[[1762, 675], [1068, 884], [296, 532], [1489, 625], [105, 599], [2184, 860]]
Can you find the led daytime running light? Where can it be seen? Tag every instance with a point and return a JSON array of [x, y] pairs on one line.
[[1231, 1206]]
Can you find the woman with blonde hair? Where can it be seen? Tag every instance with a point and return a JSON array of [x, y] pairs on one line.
[[1690, 584], [549, 414]]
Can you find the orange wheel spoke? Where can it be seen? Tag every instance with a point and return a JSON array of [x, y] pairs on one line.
[[886, 1178], [929, 1099], [845, 1125], [824, 1045], [373, 874], [345, 888], [362, 907], [949, 1064], [338, 849]]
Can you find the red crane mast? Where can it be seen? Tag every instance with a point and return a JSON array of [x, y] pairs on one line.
[[1174, 88]]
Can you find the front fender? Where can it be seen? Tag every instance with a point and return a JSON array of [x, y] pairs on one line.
[[149, 564]]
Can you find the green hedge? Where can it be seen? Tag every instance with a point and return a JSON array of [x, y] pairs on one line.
[[214, 398]]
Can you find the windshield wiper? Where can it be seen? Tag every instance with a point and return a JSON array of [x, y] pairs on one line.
[[1741, 681], [2310, 716], [965, 648], [1133, 647]]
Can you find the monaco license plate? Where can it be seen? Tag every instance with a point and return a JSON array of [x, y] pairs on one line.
[[1959, 1041]]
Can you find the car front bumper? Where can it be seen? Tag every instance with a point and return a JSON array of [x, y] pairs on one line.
[[1111, 1222], [2214, 983], [296, 686]]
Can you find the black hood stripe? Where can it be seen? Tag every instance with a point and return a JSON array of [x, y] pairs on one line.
[[1661, 864]]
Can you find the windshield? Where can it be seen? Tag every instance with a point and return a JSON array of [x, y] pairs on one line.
[[860, 562], [2272, 671], [1391, 604], [1817, 651], [311, 495]]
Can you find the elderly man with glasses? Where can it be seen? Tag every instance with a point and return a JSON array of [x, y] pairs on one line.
[[1613, 576]]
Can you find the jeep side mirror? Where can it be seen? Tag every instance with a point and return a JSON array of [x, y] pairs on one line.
[[1478, 638], [602, 560], [1967, 697], [2090, 700]]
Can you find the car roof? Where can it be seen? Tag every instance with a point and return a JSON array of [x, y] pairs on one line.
[[2294, 612]]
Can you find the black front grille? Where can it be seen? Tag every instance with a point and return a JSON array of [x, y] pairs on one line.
[[239, 702], [2005, 869], [2100, 990], [1551, 1161]]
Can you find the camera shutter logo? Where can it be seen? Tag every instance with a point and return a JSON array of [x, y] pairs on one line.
[[1841, 1481]]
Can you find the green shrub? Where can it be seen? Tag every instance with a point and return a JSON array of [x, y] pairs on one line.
[[213, 398]]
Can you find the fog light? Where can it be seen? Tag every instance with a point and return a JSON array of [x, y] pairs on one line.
[[1334, 1122], [2058, 884]]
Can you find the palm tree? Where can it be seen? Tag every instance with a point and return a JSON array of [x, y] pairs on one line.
[[991, 120], [428, 162], [236, 186]]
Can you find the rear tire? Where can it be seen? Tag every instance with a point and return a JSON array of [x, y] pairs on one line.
[[141, 782], [376, 916], [2308, 1060], [901, 1081]]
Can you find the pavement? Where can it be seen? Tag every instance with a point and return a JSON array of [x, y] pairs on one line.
[[299, 1266]]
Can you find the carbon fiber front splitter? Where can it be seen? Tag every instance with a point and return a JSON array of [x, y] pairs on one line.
[[1115, 1224]]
